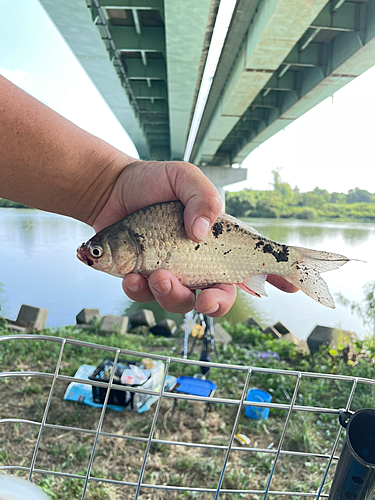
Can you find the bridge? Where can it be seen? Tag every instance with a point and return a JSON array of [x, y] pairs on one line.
[[209, 81]]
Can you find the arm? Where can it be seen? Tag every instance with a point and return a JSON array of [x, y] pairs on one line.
[[47, 162]]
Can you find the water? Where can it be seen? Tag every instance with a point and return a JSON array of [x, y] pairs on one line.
[[38, 267]]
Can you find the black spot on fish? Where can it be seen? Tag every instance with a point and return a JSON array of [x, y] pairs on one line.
[[197, 247], [226, 253], [280, 254], [301, 281], [217, 229], [158, 262], [267, 248], [140, 238], [259, 244]]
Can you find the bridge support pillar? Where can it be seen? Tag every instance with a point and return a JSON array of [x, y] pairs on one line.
[[223, 176]]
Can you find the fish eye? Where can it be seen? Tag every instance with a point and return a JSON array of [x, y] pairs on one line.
[[96, 251]]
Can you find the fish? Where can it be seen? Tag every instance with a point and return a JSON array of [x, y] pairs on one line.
[[154, 238]]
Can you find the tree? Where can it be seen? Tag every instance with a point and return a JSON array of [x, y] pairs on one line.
[[357, 195], [281, 187], [239, 204], [337, 198]]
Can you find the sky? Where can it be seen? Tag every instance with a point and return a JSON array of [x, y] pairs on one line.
[[331, 146]]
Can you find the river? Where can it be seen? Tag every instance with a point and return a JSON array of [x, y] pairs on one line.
[[38, 267]]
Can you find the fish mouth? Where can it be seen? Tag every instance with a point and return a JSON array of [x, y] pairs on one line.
[[82, 255]]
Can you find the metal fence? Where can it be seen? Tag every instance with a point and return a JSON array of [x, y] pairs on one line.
[[277, 452]]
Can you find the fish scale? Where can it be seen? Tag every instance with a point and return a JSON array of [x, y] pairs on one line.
[[154, 238]]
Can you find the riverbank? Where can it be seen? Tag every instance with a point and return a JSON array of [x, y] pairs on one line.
[[284, 202], [187, 448]]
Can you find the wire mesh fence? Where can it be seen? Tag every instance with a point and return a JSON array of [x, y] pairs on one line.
[[263, 467]]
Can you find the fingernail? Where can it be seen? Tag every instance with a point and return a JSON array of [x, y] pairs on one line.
[[134, 287], [163, 287], [212, 309], [201, 227]]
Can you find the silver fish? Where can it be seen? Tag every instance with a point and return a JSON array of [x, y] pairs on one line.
[[154, 238]]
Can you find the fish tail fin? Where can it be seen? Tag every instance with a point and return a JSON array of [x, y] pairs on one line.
[[306, 273]]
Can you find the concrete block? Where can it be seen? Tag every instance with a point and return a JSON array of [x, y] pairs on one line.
[[32, 318], [166, 327], [271, 330], [87, 315], [16, 328], [250, 322], [281, 328], [303, 347], [114, 324], [290, 337], [324, 335], [221, 336], [143, 317]]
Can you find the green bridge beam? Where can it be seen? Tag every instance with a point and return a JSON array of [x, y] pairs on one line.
[[127, 39]]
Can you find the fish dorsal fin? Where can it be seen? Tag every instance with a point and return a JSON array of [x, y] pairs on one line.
[[240, 223], [255, 284]]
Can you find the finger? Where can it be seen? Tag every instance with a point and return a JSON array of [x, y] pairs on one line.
[[170, 294], [200, 197], [136, 288], [281, 283], [216, 300]]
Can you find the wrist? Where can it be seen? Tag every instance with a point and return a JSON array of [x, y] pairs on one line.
[[99, 175]]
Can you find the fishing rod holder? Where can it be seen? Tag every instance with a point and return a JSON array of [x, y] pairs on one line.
[[355, 473]]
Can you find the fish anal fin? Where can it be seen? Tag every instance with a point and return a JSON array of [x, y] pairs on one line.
[[247, 290], [254, 285]]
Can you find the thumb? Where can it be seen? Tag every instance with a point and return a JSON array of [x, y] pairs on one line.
[[200, 197]]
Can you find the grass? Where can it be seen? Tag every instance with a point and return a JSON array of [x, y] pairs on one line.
[[117, 458]]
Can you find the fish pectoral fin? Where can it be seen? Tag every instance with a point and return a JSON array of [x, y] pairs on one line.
[[254, 285]]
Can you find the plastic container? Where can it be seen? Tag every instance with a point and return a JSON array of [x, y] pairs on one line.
[[257, 412], [129, 374], [15, 488], [103, 373]]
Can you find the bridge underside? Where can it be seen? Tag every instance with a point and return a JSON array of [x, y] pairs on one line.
[[280, 58]]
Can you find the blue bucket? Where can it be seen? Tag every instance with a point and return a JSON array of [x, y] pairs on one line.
[[257, 412]]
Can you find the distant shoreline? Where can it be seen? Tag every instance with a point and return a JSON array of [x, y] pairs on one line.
[[12, 204], [319, 218]]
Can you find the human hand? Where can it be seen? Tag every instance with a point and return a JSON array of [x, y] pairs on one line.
[[144, 183]]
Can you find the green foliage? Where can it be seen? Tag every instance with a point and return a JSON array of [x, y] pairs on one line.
[[357, 195], [307, 213], [10, 204], [285, 202]]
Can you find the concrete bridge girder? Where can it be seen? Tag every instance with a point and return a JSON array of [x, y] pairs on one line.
[[277, 26], [351, 54]]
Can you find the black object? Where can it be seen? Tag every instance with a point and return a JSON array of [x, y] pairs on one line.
[[355, 473], [103, 373], [205, 357]]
